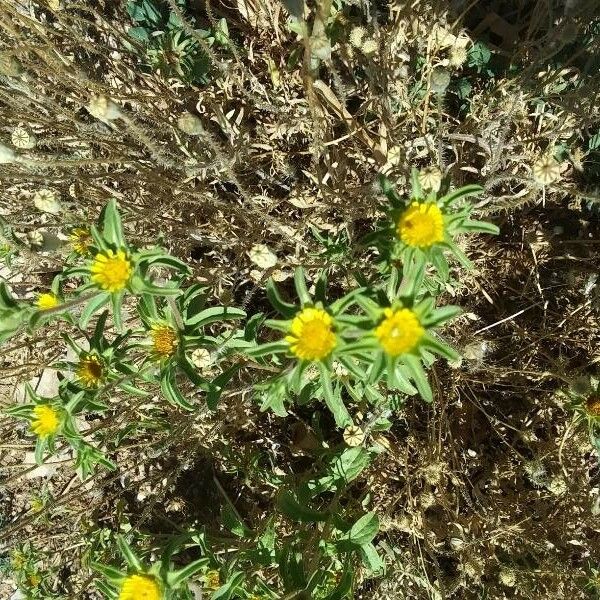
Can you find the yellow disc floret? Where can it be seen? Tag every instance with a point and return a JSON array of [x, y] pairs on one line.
[[311, 335], [111, 271], [81, 240], [46, 301], [399, 332], [90, 370], [212, 580], [140, 587], [164, 340], [45, 420], [421, 225]]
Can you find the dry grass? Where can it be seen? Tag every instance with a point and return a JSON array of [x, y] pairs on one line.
[[488, 493]]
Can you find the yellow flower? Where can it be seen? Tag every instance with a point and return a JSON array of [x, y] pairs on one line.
[[90, 370], [164, 341], [399, 332], [46, 301], [212, 579], [140, 587], [421, 225], [81, 240], [311, 335], [45, 422], [111, 271]]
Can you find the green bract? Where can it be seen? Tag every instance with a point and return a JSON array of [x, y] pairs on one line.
[[456, 221], [187, 319]]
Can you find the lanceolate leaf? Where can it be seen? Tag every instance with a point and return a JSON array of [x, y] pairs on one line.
[[333, 399], [415, 368]]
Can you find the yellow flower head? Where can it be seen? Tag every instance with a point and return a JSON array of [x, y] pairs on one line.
[[81, 240], [212, 579], [164, 341], [421, 225], [45, 420], [90, 370], [111, 271], [399, 332], [46, 301], [140, 587], [311, 335]]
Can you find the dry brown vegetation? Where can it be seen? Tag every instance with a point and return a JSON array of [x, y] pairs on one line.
[[492, 491]]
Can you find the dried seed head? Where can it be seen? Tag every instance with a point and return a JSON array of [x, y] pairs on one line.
[[103, 108], [546, 170], [9, 65], [35, 239], [23, 139], [508, 577], [430, 178], [262, 256], [458, 56], [357, 36], [354, 436], [46, 201], [440, 80], [6, 155], [190, 124], [369, 47], [201, 358]]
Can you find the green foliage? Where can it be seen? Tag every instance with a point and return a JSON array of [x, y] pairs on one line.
[[169, 48], [365, 351]]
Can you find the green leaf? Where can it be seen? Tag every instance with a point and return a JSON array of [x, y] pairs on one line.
[[111, 573], [333, 399], [285, 308], [344, 587], [129, 555], [117, 304], [441, 315], [350, 464], [92, 307], [301, 289], [112, 229], [270, 348], [226, 591], [364, 530], [40, 446], [371, 559], [233, 523], [273, 397], [463, 192], [170, 391], [217, 385], [417, 191], [176, 578], [418, 375], [460, 256], [480, 227], [431, 343], [213, 315], [290, 506]]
